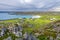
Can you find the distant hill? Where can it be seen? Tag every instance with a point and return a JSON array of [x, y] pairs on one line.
[[35, 13]]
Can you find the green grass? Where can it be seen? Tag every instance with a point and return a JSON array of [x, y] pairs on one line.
[[37, 23]]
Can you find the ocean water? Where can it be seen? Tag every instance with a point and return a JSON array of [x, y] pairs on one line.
[[5, 16]]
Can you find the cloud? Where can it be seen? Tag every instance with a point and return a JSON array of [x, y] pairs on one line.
[[55, 9], [25, 5]]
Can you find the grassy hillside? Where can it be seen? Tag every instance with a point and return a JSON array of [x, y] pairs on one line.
[[43, 25], [35, 23]]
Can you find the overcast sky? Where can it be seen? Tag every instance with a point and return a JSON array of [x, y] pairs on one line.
[[30, 5]]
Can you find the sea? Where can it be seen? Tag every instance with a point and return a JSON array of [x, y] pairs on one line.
[[6, 16]]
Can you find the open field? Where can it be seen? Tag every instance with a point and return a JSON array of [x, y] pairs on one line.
[[35, 25], [36, 22]]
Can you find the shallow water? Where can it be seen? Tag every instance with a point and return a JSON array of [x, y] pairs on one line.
[[5, 16]]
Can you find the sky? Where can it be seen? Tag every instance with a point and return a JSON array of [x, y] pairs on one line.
[[29, 5]]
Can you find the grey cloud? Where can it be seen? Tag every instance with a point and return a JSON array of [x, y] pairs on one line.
[[33, 5]]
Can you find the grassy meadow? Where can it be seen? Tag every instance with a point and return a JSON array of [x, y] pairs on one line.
[[36, 25]]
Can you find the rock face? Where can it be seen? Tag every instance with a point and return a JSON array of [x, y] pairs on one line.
[[55, 27], [52, 30], [29, 37]]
